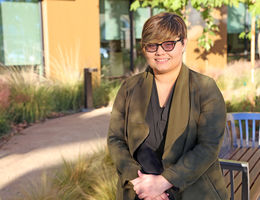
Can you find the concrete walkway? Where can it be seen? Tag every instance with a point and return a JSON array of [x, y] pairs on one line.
[[42, 146]]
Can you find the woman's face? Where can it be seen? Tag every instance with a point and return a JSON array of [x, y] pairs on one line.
[[162, 61]]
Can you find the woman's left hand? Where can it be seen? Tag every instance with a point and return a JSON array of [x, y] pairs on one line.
[[148, 186]]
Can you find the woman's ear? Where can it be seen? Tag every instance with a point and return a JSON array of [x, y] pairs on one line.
[[143, 51]]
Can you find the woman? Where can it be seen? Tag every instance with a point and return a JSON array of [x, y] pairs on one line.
[[167, 123]]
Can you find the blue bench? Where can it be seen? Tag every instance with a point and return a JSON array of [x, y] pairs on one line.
[[240, 155]]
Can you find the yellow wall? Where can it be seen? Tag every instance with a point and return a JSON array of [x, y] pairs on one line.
[[200, 60], [72, 38], [71, 35]]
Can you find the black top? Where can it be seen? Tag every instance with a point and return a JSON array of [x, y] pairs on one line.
[[149, 154]]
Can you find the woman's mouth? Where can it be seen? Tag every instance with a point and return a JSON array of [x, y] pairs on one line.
[[161, 60]]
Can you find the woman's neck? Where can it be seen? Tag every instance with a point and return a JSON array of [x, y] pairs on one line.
[[167, 78]]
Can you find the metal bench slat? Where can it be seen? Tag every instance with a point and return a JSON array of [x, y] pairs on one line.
[[253, 134], [247, 134], [241, 133], [232, 184]]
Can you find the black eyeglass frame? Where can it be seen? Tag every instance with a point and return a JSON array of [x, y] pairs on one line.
[[161, 44]]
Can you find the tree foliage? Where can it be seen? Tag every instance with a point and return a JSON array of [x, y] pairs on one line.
[[204, 7]]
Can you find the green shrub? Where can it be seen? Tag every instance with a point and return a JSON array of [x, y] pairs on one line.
[[105, 93], [243, 105], [33, 97], [30, 98], [68, 97], [4, 123], [234, 81], [241, 81], [29, 103], [222, 82]]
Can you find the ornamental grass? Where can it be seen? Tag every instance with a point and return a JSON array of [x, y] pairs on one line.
[[234, 81], [91, 177]]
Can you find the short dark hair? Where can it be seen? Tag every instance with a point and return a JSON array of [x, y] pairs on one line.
[[162, 27]]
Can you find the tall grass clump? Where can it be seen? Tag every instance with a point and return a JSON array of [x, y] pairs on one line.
[[30, 98], [92, 178], [105, 93], [88, 178], [234, 81], [68, 97], [4, 123], [33, 97], [68, 92], [38, 190], [4, 105]]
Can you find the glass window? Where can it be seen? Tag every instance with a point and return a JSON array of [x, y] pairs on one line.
[[140, 17], [115, 33], [239, 20], [115, 36], [20, 32]]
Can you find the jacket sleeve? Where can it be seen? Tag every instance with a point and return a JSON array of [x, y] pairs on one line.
[[126, 166], [210, 130]]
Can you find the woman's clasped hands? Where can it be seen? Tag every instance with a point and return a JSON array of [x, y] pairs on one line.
[[151, 187]]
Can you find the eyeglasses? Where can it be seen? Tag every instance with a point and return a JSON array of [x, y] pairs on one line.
[[167, 46]]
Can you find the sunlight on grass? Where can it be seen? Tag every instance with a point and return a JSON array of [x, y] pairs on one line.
[[91, 177], [25, 96], [239, 92], [30, 94], [42, 190], [66, 67]]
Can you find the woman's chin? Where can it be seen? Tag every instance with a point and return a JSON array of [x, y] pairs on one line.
[[161, 70]]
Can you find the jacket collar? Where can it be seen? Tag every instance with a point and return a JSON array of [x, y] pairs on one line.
[[137, 110], [179, 111]]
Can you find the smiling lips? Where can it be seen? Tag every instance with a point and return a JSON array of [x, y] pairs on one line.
[[162, 60]]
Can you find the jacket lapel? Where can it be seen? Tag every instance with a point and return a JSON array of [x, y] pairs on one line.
[[138, 109], [179, 111]]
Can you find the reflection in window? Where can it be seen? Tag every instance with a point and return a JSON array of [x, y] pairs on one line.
[[114, 23], [20, 32], [115, 37], [239, 20]]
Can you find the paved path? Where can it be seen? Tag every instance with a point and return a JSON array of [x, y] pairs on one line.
[[42, 146]]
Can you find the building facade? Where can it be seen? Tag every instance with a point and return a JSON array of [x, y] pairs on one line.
[[50, 34], [56, 34]]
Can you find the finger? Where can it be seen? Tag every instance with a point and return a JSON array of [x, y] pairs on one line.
[[140, 173], [148, 198], [142, 196], [135, 181], [157, 198], [137, 189], [165, 196]]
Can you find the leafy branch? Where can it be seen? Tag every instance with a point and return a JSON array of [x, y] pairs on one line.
[[204, 7], [254, 9]]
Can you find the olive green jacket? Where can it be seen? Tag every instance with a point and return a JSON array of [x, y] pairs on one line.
[[194, 135]]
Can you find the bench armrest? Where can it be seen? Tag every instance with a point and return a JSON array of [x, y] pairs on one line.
[[233, 165]]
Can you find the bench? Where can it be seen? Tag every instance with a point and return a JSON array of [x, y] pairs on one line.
[[240, 155]]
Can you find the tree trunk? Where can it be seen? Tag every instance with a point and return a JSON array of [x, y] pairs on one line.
[[253, 85], [252, 48]]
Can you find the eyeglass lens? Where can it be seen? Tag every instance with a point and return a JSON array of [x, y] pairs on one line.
[[167, 46]]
